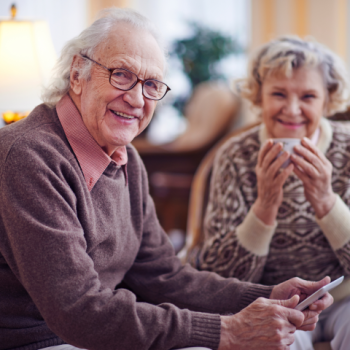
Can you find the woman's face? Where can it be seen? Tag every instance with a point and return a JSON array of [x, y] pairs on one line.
[[292, 107]]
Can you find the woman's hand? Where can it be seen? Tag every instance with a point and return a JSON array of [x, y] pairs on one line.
[[315, 171], [270, 181]]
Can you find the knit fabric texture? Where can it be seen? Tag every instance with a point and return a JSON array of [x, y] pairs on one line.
[[94, 268], [238, 244]]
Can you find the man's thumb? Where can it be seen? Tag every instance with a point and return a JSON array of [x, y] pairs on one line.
[[290, 303]]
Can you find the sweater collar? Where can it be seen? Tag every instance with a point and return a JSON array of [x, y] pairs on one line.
[[92, 159], [324, 138]]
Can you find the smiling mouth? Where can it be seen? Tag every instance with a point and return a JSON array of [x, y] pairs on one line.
[[290, 124], [123, 115]]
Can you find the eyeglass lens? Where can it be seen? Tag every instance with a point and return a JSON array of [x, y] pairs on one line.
[[124, 80]]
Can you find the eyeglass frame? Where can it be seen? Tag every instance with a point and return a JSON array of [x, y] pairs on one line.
[[143, 81]]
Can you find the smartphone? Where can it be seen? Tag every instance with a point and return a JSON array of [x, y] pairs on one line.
[[318, 294]]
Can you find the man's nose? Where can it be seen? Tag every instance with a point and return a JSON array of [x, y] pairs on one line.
[[292, 107], [134, 97]]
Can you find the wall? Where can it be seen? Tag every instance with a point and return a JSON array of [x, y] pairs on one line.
[[66, 18], [325, 20], [94, 6]]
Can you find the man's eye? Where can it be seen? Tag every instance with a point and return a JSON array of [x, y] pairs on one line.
[[151, 84], [122, 76], [119, 74]]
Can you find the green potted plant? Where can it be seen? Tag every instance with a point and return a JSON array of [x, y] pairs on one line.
[[200, 54]]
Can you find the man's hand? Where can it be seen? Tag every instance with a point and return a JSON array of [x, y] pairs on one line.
[[297, 286], [264, 324]]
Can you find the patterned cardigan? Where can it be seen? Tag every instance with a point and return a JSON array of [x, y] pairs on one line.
[[238, 244]]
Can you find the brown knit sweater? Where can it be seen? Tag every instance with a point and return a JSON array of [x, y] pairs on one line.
[[238, 244], [94, 269]]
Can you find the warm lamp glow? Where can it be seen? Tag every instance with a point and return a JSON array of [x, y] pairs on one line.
[[27, 56]]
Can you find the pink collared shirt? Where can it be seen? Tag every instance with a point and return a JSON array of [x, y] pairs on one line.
[[92, 159]]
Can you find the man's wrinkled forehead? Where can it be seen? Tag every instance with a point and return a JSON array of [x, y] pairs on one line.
[[129, 45]]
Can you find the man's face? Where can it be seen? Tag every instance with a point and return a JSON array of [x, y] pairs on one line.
[[112, 116]]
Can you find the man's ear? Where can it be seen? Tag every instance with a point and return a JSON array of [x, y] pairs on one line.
[[75, 77]]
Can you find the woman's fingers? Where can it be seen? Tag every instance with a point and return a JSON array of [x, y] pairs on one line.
[[274, 159], [311, 154], [306, 143], [305, 178], [307, 165], [271, 157], [275, 167], [308, 156], [263, 151], [283, 175], [269, 153]]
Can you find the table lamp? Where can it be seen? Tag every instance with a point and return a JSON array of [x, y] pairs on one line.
[[27, 56]]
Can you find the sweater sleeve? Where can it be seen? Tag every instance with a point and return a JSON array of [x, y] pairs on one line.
[[159, 277], [44, 245], [236, 241], [335, 226], [46, 249]]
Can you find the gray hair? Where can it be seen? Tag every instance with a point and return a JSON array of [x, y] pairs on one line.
[[281, 56], [86, 44]]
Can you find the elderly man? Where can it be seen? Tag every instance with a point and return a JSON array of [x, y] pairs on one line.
[[83, 259]]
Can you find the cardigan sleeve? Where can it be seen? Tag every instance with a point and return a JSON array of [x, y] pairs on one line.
[[335, 226], [236, 241]]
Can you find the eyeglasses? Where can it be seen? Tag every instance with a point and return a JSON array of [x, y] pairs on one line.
[[125, 80]]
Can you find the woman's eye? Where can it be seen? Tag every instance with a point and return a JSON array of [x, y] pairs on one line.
[[309, 96], [278, 94]]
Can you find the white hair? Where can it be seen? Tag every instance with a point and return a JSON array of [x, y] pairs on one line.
[[280, 57], [86, 44]]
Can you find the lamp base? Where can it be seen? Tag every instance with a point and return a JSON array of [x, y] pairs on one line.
[[11, 117]]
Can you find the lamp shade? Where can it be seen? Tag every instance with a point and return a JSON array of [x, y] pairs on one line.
[[27, 56]]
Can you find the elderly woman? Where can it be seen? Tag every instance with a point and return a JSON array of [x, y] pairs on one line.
[[83, 259], [267, 221]]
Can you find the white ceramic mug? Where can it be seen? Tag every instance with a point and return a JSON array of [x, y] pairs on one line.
[[288, 145]]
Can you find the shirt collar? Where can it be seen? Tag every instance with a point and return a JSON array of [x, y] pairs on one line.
[[91, 157]]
